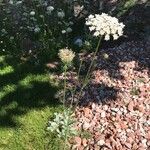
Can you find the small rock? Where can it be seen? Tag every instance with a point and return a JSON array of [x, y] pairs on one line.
[[115, 109], [84, 142], [77, 141], [113, 113], [128, 145], [80, 148], [101, 142], [87, 112], [93, 106], [119, 130], [148, 143], [123, 125], [86, 125], [103, 114], [96, 147], [141, 147], [135, 146], [105, 107], [148, 122], [141, 108], [148, 135], [130, 140], [144, 141], [131, 106]]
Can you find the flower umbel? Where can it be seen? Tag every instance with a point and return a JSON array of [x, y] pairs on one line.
[[105, 25], [61, 14], [66, 55], [50, 9]]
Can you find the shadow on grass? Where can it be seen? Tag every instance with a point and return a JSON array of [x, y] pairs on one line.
[[24, 88]]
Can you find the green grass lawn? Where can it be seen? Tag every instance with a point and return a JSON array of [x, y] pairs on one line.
[[26, 103]]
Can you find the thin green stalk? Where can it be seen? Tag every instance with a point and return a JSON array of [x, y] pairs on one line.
[[78, 76], [90, 67], [64, 97], [65, 71], [97, 48], [66, 132], [67, 40]]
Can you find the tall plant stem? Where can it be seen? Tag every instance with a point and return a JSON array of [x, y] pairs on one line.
[[78, 76], [90, 67], [66, 134], [64, 96]]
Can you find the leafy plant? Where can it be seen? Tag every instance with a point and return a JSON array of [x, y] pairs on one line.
[[135, 91], [63, 125]]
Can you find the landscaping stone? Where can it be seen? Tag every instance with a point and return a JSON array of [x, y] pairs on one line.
[[122, 122]]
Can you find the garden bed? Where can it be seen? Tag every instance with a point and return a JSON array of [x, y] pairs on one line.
[[116, 104]]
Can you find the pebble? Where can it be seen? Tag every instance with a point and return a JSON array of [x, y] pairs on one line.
[[103, 114], [86, 125], [101, 142], [78, 141], [115, 109]]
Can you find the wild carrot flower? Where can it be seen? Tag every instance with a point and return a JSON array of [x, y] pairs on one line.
[[63, 31], [37, 30], [105, 25], [69, 30], [61, 14], [49, 9], [66, 55], [32, 13]]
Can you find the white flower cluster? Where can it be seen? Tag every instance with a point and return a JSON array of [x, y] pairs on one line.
[[32, 13], [49, 9], [68, 30], [66, 55], [105, 25], [61, 14]]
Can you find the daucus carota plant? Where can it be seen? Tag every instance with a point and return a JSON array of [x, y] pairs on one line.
[[63, 125], [102, 26], [105, 25], [66, 55]]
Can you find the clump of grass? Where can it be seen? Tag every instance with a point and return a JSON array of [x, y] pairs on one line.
[[135, 91], [86, 134]]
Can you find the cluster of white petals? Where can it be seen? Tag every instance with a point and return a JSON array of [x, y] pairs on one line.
[[61, 14], [32, 13], [66, 55], [49, 9], [105, 25]]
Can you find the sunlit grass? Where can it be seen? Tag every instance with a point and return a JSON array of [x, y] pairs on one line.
[[26, 98], [32, 131], [27, 81], [6, 90], [6, 70]]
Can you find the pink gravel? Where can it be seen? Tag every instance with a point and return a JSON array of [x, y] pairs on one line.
[[116, 110]]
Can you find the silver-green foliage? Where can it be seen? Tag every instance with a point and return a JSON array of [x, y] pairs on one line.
[[63, 125]]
